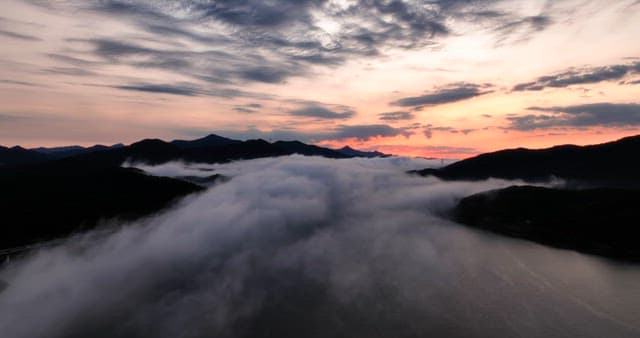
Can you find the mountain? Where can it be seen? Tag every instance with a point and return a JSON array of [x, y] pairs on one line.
[[297, 147], [594, 212], [602, 221], [68, 151], [44, 202], [346, 150], [608, 164], [46, 193], [211, 140], [18, 156], [155, 151], [57, 150], [211, 149]]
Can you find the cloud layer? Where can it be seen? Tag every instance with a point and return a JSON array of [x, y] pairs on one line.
[[301, 246], [585, 115], [447, 94], [578, 76]]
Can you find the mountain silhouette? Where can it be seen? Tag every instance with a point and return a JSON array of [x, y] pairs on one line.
[[346, 150], [594, 211], [211, 149], [608, 164], [207, 141], [602, 221], [18, 155], [297, 147], [68, 151], [48, 193], [46, 202]]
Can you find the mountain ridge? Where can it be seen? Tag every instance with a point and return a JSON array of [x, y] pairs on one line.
[[211, 148], [607, 164]]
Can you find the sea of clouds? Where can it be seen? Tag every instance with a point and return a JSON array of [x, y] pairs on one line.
[[312, 247]]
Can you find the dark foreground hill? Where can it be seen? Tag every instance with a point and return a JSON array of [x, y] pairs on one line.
[[18, 155], [601, 217], [602, 221], [609, 164], [44, 203]]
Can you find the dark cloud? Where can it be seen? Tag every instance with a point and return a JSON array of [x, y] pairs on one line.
[[396, 116], [453, 150], [72, 71], [70, 60], [256, 13], [10, 118], [428, 133], [187, 89], [322, 112], [586, 115], [265, 74], [248, 108], [19, 83], [366, 132], [19, 36], [521, 29], [341, 132], [585, 75], [429, 129], [243, 110], [447, 94], [284, 37]]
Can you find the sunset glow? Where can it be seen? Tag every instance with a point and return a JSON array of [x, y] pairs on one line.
[[434, 79]]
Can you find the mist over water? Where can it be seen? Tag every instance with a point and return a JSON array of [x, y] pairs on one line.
[[312, 247]]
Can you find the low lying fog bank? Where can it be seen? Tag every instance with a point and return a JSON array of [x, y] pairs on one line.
[[312, 247]]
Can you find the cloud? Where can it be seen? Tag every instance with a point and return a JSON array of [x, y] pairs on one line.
[[451, 93], [522, 29], [20, 83], [586, 75], [19, 36], [585, 115], [265, 74], [243, 110], [322, 112], [187, 89], [290, 243], [71, 71], [427, 132], [225, 41], [396, 116], [161, 89], [429, 129], [360, 132], [366, 132], [248, 108]]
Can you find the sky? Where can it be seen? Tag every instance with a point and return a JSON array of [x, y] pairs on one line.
[[441, 78]]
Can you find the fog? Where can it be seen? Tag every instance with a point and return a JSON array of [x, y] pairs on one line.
[[311, 247]]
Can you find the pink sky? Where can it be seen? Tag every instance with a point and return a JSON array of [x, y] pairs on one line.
[[437, 79]]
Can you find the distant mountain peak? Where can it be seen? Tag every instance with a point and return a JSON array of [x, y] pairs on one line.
[[148, 142], [211, 140], [606, 164], [347, 150]]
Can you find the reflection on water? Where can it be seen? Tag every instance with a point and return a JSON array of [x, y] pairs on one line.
[[518, 288]]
